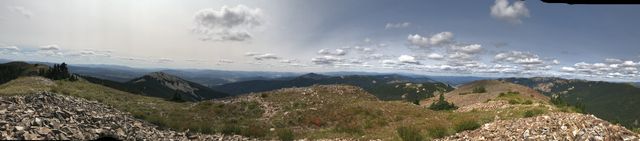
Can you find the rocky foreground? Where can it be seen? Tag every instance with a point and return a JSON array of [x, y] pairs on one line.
[[49, 116], [554, 126]]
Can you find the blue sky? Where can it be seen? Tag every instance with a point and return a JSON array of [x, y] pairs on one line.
[[482, 38]]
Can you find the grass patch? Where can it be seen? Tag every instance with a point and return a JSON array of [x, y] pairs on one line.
[[533, 112], [515, 98], [466, 125], [285, 135], [480, 89], [437, 132], [409, 134]]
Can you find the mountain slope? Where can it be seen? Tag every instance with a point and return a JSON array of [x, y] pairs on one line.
[[555, 126], [163, 85], [80, 119], [617, 102], [13, 70], [385, 87], [334, 112], [493, 89]]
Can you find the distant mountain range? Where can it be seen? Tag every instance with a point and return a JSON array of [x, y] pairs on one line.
[[212, 78], [385, 87], [160, 84], [616, 102], [163, 85]]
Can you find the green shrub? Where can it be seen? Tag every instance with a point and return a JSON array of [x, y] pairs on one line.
[[480, 89], [255, 131], [533, 112], [351, 128], [409, 134], [513, 101], [416, 102], [231, 129], [437, 132], [442, 104], [466, 125], [528, 102], [285, 135]]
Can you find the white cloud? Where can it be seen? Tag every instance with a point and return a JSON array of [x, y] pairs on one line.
[[517, 57], [611, 68], [510, 13], [50, 47], [529, 61], [612, 61], [21, 10], [286, 61], [397, 25], [441, 38], [10, 48], [629, 64], [131, 58], [251, 54], [408, 59], [389, 62], [227, 23], [364, 49], [555, 62], [50, 50], [326, 60], [227, 61], [568, 69], [337, 52], [435, 56], [164, 60], [459, 56], [469, 49], [374, 56], [265, 56]]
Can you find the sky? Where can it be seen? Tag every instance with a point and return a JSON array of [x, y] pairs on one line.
[[431, 37]]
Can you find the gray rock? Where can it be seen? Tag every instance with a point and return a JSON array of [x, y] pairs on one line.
[[58, 117]]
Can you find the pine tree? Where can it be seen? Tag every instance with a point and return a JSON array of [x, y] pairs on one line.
[[442, 104], [177, 97], [59, 72]]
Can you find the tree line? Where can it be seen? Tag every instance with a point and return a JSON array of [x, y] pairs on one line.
[[58, 72]]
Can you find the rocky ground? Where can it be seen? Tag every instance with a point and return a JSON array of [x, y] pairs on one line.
[[487, 106], [553, 126], [49, 116]]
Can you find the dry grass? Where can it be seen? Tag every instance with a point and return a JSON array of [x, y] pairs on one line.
[[314, 112]]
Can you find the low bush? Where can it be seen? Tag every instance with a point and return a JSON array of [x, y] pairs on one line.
[[231, 129], [480, 89], [466, 125], [285, 135], [437, 132], [409, 134], [350, 128], [533, 112], [514, 101], [442, 104]]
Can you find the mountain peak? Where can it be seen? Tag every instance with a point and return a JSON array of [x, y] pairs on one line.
[[165, 85], [164, 76], [314, 76]]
